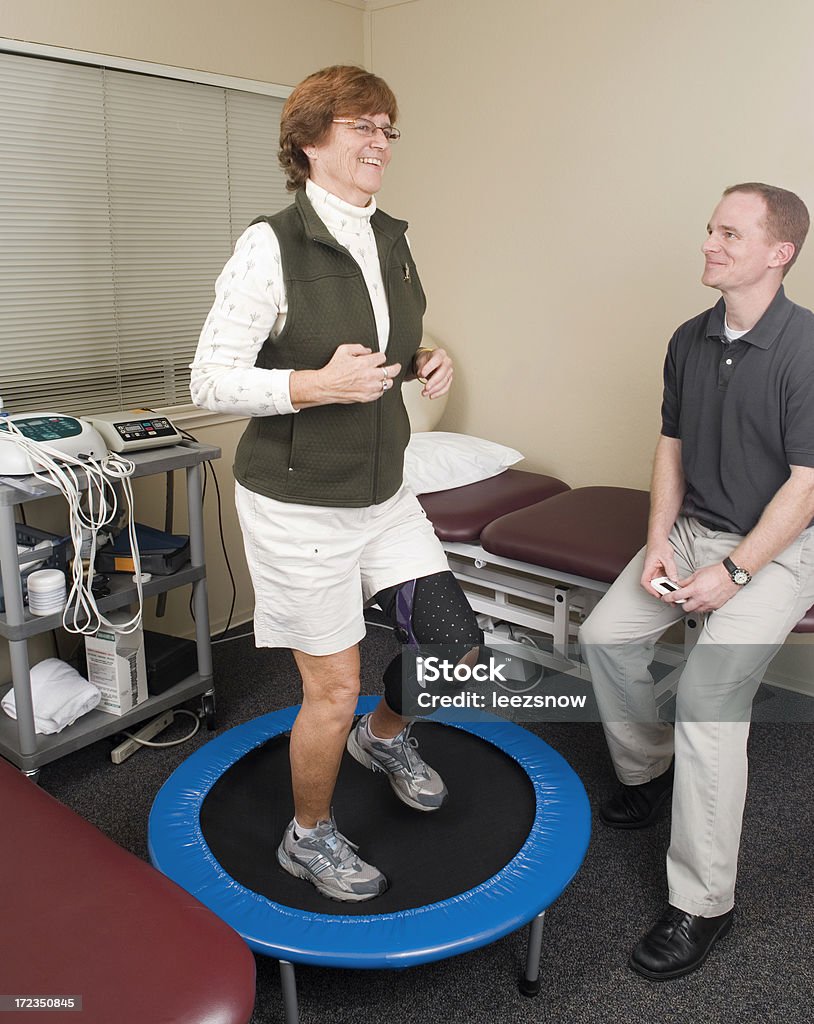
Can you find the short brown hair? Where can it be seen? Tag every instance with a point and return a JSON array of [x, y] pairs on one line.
[[338, 91], [786, 215]]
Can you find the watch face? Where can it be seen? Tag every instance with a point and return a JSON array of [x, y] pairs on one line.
[[740, 576]]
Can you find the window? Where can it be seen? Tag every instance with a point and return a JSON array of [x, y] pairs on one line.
[[121, 196]]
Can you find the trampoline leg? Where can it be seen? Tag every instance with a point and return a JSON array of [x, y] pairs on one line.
[[289, 982], [530, 982]]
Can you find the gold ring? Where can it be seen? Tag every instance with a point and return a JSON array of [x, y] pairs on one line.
[[385, 373]]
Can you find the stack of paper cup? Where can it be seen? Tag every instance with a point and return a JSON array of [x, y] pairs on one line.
[[46, 592]]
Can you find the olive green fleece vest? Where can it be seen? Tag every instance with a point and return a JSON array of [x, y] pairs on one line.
[[335, 455]]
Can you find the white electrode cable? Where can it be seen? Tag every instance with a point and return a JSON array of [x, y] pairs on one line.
[[81, 614]]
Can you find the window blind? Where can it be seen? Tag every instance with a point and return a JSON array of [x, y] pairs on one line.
[[121, 196]]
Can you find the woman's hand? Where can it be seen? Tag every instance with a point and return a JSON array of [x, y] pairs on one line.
[[353, 374], [434, 369]]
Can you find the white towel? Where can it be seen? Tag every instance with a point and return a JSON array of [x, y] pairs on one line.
[[59, 695]]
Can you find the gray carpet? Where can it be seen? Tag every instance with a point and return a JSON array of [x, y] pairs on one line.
[[763, 971]]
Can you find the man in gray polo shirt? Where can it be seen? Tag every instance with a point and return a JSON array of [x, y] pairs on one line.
[[732, 504]]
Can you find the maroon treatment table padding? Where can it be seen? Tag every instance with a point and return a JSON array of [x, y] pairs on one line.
[[460, 513], [83, 917], [589, 531]]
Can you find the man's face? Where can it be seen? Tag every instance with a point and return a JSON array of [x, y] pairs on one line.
[[738, 255]]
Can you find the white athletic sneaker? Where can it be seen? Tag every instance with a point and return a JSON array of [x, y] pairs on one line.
[[412, 779], [329, 861]]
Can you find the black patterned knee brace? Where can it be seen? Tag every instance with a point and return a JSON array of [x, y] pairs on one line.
[[430, 614]]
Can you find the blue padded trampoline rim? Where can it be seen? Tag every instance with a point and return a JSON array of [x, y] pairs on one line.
[[527, 885]]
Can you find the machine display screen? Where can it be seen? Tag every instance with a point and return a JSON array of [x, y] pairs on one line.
[[139, 430], [48, 428]]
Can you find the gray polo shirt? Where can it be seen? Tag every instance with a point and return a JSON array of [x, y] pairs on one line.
[[744, 410]]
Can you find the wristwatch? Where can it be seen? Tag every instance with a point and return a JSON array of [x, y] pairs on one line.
[[736, 574]]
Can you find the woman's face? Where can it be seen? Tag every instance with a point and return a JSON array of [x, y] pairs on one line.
[[349, 163]]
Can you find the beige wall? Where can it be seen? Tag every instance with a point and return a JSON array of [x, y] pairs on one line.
[[558, 167], [277, 41]]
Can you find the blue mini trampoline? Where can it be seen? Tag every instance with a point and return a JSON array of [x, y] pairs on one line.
[[516, 808]]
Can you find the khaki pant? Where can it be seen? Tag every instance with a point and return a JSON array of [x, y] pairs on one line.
[[713, 699]]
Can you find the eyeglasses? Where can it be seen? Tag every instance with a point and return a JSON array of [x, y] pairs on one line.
[[367, 129]]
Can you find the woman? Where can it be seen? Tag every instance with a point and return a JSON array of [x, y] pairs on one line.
[[316, 323]]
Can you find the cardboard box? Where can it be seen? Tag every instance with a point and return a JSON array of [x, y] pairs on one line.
[[117, 668]]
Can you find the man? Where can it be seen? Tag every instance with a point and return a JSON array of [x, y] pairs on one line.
[[732, 503]]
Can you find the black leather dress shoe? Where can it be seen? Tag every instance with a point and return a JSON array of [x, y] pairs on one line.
[[637, 806], [677, 944]]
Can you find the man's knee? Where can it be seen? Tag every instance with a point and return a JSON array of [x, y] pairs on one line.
[[596, 630]]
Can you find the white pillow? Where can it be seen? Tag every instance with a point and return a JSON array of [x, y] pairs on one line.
[[437, 461]]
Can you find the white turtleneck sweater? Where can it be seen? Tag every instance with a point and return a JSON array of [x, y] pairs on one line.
[[250, 303]]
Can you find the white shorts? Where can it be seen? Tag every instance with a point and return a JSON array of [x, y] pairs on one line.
[[313, 568]]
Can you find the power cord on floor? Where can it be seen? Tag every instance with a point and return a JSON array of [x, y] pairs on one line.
[[169, 743]]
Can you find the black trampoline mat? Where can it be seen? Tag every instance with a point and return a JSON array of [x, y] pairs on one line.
[[427, 857]]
